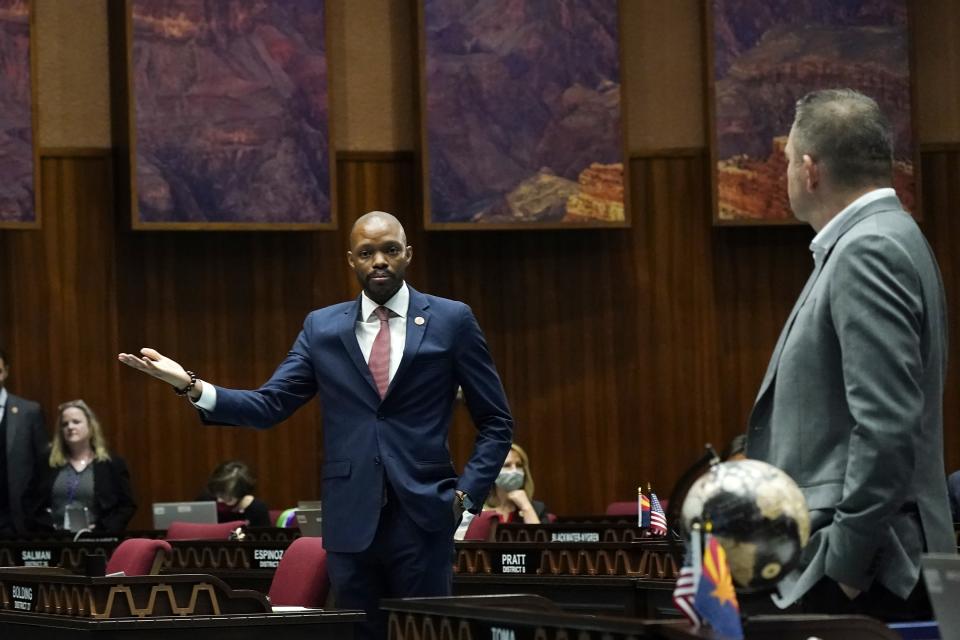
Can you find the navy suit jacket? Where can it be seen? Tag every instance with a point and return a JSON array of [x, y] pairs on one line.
[[26, 443], [403, 437]]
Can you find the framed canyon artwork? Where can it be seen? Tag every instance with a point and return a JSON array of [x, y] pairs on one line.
[[229, 115], [19, 159], [764, 55], [522, 114]]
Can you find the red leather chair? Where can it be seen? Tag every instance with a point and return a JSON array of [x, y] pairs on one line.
[[301, 579], [194, 531], [483, 526], [138, 557], [626, 508]]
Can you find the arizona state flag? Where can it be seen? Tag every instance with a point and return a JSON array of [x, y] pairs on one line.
[[716, 599]]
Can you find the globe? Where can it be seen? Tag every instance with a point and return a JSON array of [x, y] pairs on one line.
[[758, 515]]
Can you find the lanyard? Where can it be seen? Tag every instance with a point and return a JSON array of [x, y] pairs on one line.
[[73, 483]]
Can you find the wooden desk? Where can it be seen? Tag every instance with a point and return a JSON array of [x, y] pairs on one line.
[[600, 595], [645, 559], [52, 603], [626, 579], [313, 625], [571, 532], [242, 565], [527, 617]]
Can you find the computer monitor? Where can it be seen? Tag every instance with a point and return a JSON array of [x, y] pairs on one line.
[[199, 512], [309, 504], [310, 522], [941, 572]]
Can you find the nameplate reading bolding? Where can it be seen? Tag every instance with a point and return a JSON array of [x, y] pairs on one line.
[[36, 557], [22, 598], [267, 558], [575, 536], [513, 563]]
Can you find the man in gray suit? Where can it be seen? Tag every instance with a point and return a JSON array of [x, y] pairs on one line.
[[851, 404], [23, 442]]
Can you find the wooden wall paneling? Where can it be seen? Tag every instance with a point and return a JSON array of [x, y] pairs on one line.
[[58, 287], [758, 274], [941, 201], [228, 306], [680, 370]]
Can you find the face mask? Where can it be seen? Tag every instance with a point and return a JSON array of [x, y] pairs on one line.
[[510, 480]]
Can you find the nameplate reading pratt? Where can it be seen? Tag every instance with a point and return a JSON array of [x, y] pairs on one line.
[[22, 598], [36, 557], [575, 536], [513, 562], [267, 558], [497, 633]]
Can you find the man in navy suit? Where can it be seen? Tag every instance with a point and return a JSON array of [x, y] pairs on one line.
[[23, 443], [386, 366]]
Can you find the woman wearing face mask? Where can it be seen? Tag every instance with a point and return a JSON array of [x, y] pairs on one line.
[[512, 494], [81, 474]]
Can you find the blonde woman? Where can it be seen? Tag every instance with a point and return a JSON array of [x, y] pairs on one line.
[[81, 472], [512, 494]]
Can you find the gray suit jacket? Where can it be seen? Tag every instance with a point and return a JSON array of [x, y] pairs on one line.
[[26, 447], [851, 405]]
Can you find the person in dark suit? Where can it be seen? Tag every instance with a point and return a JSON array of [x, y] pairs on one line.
[[81, 472], [851, 406], [386, 367], [22, 445]]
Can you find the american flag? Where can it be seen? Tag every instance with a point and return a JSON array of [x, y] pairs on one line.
[[688, 581], [658, 519], [684, 592]]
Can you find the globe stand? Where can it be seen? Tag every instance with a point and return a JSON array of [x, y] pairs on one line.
[[682, 486]]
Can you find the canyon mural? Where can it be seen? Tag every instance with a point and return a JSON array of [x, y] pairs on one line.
[[769, 53], [231, 113], [16, 127], [521, 112]]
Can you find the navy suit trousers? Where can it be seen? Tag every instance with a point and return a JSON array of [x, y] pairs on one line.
[[403, 561]]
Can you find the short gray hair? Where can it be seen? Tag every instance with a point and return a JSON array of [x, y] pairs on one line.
[[845, 131]]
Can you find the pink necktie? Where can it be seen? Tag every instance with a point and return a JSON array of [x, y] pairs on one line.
[[380, 353]]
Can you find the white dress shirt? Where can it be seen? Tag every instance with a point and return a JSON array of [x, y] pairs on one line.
[[824, 237], [3, 402], [366, 330], [369, 326]]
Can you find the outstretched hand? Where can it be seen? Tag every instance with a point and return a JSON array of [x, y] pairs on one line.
[[159, 366]]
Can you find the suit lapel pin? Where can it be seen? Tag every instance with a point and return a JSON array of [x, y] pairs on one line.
[[14, 410], [418, 321]]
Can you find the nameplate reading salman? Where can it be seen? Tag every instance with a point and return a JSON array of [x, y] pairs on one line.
[[36, 557]]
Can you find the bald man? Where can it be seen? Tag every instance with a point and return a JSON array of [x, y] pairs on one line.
[[386, 367]]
